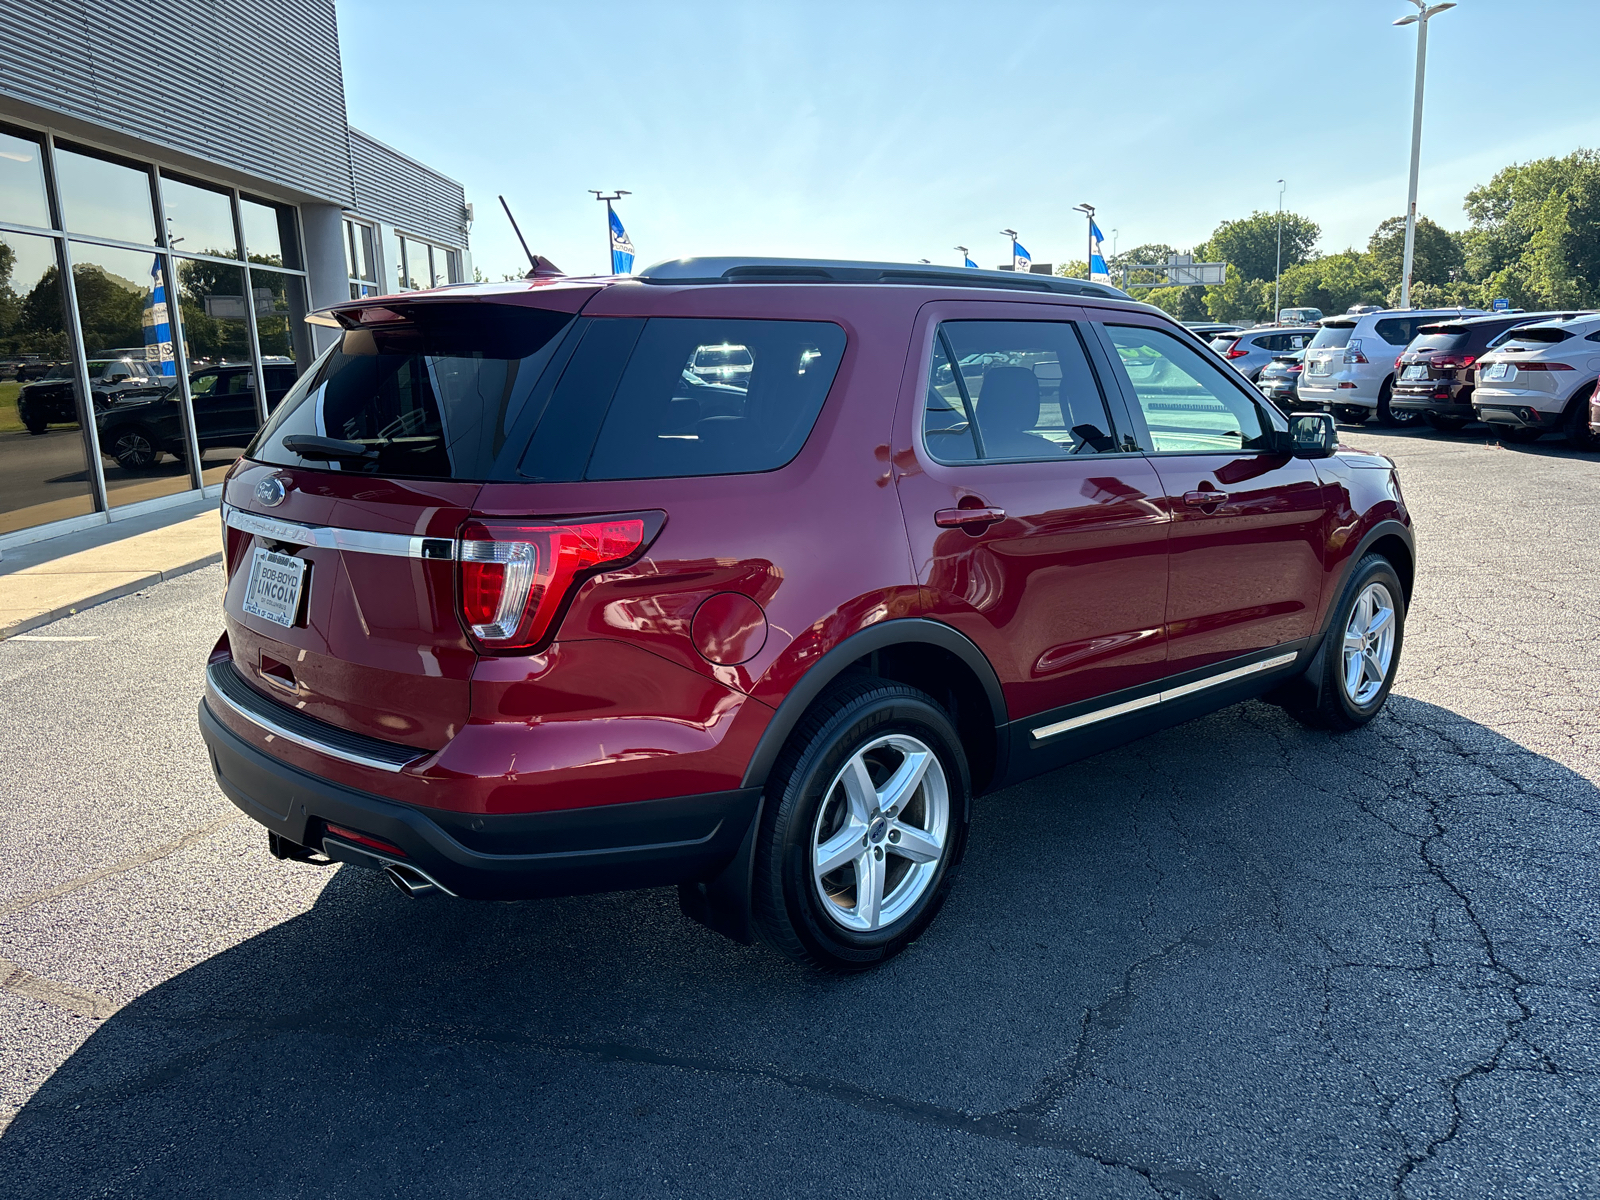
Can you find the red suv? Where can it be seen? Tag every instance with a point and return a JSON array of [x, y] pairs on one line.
[[520, 603]]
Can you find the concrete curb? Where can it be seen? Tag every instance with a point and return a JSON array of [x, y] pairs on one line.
[[35, 621]]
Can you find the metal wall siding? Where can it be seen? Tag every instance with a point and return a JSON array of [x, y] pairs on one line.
[[255, 85], [393, 189]]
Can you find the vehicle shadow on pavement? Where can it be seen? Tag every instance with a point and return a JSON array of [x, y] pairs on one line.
[[1236, 958]]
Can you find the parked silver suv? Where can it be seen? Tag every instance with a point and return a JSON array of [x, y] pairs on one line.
[[1350, 364], [1252, 349]]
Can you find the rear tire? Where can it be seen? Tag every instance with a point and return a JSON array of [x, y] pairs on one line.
[[1353, 684], [1350, 414], [1446, 424], [1575, 424], [134, 449], [1389, 416], [36, 427], [838, 780], [1520, 435]]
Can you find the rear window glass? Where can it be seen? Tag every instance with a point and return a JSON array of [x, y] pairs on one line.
[[698, 396], [432, 396], [1335, 335], [1447, 340], [1537, 337]]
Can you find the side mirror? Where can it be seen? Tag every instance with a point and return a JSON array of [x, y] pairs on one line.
[[1312, 435]]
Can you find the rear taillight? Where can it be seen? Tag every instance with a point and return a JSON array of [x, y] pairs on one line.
[[1353, 355], [1234, 351], [1543, 366], [517, 578]]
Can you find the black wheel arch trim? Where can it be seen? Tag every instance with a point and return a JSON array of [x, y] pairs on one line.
[[1388, 527], [898, 632]]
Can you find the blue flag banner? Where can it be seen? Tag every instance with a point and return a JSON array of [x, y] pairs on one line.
[[967, 262], [621, 247], [1097, 258], [1021, 260], [157, 326]]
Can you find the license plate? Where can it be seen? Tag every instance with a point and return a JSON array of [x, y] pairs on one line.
[[274, 588], [1415, 371], [1319, 367], [1495, 372]]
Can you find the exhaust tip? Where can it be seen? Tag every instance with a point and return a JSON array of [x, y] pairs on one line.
[[410, 881]]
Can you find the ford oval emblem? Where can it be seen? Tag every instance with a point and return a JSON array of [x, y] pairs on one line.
[[270, 491]]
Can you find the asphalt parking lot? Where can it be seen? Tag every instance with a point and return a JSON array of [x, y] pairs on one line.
[[1238, 959]]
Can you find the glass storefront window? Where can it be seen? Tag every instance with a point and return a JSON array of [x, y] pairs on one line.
[[44, 469], [199, 219], [269, 233], [22, 198], [443, 267], [418, 272], [393, 265], [361, 260], [138, 412], [281, 324], [104, 199], [222, 376]]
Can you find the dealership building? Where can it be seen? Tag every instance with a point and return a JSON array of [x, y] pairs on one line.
[[179, 187]]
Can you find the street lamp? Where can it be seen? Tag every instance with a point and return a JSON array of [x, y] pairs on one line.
[[1278, 271], [1420, 20], [1087, 210]]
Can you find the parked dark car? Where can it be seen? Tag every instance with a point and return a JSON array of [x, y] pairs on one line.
[[1280, 378], [507, 614], [136, 431], [1436, 373], [52, 399]]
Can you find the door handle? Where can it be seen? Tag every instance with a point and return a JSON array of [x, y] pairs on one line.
[[968, 518], [1205, 499]]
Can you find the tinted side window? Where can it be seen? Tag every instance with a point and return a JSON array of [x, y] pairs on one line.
[[1188, 403], [1024, 389], [1397, 331], [716, 397]]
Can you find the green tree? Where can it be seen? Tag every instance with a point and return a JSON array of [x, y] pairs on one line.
[[1240, 299], [1333, 283], [1435, 253], [1250, 246], [1535, 232], [1185, 303]]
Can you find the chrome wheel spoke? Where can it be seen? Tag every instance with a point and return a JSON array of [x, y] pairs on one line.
[[869, 889], [1382, 621], [840, 850], [1369, 639], [902, 785], [916, 844], [859, 789]]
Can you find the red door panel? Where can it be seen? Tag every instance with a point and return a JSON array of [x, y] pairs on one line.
[[1063, 585]]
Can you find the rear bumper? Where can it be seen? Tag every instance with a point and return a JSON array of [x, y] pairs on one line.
[[1457, 405], [1522, 415], [608, 847]]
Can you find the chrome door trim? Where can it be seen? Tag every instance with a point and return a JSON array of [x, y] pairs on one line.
[[361, 541], [1174, 693]]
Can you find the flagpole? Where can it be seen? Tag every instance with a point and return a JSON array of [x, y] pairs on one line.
[[611, 255], [1088, 259]]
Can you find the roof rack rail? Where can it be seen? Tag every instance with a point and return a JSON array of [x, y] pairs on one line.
[[825, 270]]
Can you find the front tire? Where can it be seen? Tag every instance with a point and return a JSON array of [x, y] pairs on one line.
[[866, 814], [1350, 414], [1361, 652], [1446, 424]]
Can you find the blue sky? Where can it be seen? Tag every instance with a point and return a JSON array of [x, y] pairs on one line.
[[898, 130]]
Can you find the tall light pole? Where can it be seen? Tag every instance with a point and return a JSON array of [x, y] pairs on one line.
[[1277, 274], [1420, 20], [1087, 210]]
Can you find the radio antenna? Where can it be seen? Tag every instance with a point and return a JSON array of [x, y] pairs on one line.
[[531, 259]]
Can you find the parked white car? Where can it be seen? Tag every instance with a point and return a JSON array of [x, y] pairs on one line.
[[1539, 380], [1350, 362], [1248, 350]]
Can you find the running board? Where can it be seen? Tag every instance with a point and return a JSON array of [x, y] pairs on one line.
[[1044, 732]]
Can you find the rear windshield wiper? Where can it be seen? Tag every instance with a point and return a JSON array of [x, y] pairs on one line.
[[325, 449]]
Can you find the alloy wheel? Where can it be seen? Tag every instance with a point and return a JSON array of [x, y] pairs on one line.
[[881, 831], [134, 451], [1368, 644]]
